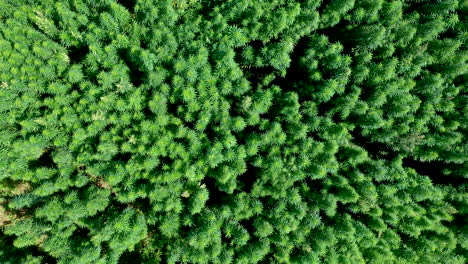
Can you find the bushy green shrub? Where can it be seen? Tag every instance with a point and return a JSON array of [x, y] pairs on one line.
[[234, 131]]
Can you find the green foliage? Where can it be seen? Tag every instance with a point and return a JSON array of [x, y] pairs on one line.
[[187, 131]]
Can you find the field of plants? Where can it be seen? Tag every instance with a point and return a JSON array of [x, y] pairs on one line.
[[233, 131]]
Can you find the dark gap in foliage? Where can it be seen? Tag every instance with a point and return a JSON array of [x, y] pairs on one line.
[[252, 73], [427, 9], [210, 133], [144, 44], [136, 256], [225, 240], [143, 204], [56, 18], [459, 224], [248, 178], [243, 136], [434, 68], [343, 209], [19, 252], [102, 8], [256, 44], [190, 125], [206, 9], [409, 8], [171, 128], [366, 93], [116, 207], [45, 160], [448, 34], [78, 53], [435, 170], [172, 108], [132, 257], [268, 257], [296, 74], [122, 157], [165, 160], [248, 225], [82, 28], [375, 149], [461, 80], [43, 97], [323, 5], [105, 249], [314, 185], [339, 34], [75, 87], [136, 75], [128, 4], [324, 108], [93, 141], [407, 239], [271, 41], [147, 113], [336, 118], [17, 127], [256, 75], [81, 233], [460, 220], [216, 197]]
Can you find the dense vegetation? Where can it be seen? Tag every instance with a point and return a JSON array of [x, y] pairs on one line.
[[233, 131]]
